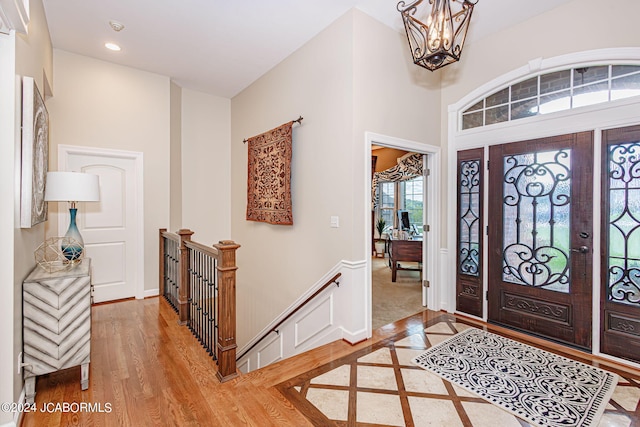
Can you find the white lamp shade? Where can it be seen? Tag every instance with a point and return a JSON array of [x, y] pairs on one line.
[[72, 187]]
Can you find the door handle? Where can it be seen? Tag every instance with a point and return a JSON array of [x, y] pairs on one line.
[[581, 249]]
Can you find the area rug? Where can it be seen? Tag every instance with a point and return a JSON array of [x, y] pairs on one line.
[[269, 177], [542, 388]]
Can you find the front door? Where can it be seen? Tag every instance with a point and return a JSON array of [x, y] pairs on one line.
[[540, 237]]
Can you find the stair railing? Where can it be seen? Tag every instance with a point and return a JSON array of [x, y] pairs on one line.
[[199, 282]]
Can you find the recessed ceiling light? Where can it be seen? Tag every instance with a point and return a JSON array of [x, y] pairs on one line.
[[112, 46]]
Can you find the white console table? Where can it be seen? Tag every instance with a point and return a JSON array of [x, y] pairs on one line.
[[56, 323]]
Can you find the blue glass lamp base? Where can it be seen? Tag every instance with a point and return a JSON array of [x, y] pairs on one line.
[[72, 245]]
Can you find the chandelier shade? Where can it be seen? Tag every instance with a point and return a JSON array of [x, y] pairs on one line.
[[438, 42]]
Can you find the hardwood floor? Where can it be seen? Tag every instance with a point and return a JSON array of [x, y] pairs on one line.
[[146, 370]]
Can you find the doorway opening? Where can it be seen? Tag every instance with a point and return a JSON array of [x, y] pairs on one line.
[[401, 205]]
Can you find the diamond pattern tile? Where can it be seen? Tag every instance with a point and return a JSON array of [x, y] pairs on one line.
[[379, 386], [333, 403], [378, 408]]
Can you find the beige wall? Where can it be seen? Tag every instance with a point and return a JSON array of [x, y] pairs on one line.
[[349, 79], [175, 159], [20, 55], [392, 97], [206, 170], [103, 105], [278, 263], [9, 318], [557, 32], [356, 76]]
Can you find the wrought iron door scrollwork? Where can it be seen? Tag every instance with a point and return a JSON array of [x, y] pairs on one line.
[[468, 246], [536, 205], [624, 223]]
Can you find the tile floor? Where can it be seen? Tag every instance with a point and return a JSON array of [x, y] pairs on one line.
[[379, 386]]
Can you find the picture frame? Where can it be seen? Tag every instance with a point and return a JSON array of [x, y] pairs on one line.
[[35, 155]]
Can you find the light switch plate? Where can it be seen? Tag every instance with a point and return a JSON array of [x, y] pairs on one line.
[[335, 222]]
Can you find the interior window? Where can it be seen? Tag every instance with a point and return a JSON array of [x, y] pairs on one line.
[[387, 202], [409, 198], [412, 201]]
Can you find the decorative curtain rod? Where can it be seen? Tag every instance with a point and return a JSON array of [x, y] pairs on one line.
[[298, 121]]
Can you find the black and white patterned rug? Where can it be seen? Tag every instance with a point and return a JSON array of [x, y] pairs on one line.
[[540, 387]]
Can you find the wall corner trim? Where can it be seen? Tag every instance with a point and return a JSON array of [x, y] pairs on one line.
[[14, 15]]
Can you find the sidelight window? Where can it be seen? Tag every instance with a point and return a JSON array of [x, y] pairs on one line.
[[624, 223], [469, 217]]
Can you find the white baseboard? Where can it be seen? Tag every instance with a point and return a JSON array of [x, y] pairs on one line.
[[150, 293], [17, 416], [355, 337]]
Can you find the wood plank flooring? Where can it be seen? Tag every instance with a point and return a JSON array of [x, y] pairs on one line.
[[153, 372], [149, 371]]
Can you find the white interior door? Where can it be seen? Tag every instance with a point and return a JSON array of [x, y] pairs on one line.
[[109, 227]]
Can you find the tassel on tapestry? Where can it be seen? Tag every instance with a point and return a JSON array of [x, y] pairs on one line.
[[269, 177]]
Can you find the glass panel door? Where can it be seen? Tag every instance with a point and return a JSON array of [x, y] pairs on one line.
[[540, 238]]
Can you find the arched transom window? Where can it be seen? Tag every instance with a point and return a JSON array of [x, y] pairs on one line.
[[553, 92]]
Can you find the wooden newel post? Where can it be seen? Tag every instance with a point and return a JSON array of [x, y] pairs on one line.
[[161, 271], [226, 345], [184, 290]]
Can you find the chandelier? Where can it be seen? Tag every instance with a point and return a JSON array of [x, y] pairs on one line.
[[438, 42]]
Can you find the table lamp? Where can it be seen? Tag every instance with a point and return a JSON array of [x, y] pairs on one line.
[[72, 187]]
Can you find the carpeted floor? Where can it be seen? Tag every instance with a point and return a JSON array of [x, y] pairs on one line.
[[393, 301]]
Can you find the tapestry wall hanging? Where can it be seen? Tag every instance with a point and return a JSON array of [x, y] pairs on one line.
[[269, 177], [35, 155]]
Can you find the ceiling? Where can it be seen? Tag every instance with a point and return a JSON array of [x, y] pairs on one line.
[[220, 46]]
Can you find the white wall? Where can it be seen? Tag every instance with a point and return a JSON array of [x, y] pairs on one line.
[[206, 169], [99, 104]]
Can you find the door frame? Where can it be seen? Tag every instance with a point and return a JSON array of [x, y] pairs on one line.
[[595, 118], [64, 151], [432, 211]]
